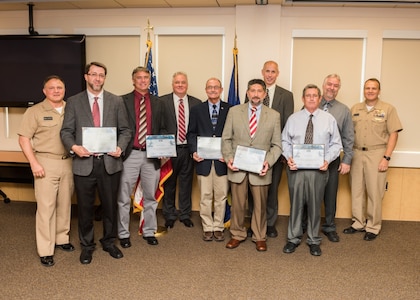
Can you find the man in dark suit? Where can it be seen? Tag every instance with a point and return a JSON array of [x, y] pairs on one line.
[[281, 100], [96, 107], [144, 113], [208, 120], [256, 126], [176, 112]]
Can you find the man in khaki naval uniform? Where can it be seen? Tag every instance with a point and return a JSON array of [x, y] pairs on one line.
[[376, 127], [39, 138]]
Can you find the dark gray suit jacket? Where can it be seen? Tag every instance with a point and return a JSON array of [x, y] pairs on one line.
[[156, 108], [78, 114], [170, 125]]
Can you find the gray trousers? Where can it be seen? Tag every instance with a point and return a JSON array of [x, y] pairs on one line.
[[306, 187], [137, 164]]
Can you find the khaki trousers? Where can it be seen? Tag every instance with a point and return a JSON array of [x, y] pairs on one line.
[[213, 195], [238, 210], [53, 196], [367, 190]]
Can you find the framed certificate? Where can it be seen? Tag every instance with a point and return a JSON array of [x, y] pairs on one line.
[[309, 156], [160, 146], [209, 147], [249, 159], [99, 139]]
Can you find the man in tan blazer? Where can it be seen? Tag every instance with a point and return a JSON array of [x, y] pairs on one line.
[[238, 131]]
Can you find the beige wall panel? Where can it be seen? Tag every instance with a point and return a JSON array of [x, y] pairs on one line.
[[399, 86], [315, 58], [120, 54], [410, 195], [343, 197], [391, 204], [283, 196], [200, 57]]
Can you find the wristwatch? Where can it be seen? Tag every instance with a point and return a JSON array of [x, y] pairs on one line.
[[388, 158]]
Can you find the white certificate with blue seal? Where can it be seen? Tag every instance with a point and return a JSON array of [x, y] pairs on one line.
[[209, 147], [158, 146], [309, 156], [99, 139], [249, 159]]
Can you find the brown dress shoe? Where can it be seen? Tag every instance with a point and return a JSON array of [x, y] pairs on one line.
[[261, 245], [218, 236], [232, 244]]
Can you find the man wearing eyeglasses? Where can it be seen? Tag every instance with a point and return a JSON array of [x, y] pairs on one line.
[[96, 172], [207, 120]]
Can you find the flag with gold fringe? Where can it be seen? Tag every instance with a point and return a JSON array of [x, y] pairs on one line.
[[233, 98]]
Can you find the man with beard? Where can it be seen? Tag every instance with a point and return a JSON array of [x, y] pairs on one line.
[[96, 171]]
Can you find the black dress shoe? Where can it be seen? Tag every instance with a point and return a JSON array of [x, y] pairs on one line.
[[187, 222], [47, 261], [86, 256], [315, 250], [290, 247], [169, 223], [125, 243], [114, 251], [65, 247], [249, 232], [351, 230], [151, 240], [332, 236], [272, 231], [369, 236]]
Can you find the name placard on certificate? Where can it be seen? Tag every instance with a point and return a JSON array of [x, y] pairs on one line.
[[160, 146], [249, 159], [209, 147], [309, 156], [99, 139]]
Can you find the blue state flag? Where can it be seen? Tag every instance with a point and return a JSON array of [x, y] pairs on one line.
[[149, 65], [233, 99]]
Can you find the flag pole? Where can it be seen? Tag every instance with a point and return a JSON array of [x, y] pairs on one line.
[[148, 43]]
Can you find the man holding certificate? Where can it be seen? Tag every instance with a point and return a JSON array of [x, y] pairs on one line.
[[204, 138], [251, 145], [176, 108], [310, 141], [98, 170], [144, 114]]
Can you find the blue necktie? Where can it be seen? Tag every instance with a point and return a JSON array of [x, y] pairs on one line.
[[214, 116]]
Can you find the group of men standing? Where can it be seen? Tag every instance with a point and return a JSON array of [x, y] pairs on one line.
[[367, 135]]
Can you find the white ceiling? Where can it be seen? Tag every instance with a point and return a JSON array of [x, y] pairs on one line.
[[8, 5]]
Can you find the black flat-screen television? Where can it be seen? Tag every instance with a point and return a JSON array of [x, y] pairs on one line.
[[26, 60]]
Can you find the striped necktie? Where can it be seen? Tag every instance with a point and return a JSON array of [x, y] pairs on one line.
[[181, 121], [142, 123], [253, 122]]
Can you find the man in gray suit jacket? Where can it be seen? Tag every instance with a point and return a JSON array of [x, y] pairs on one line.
[[237, 131], [281, 100], [96, 171]]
